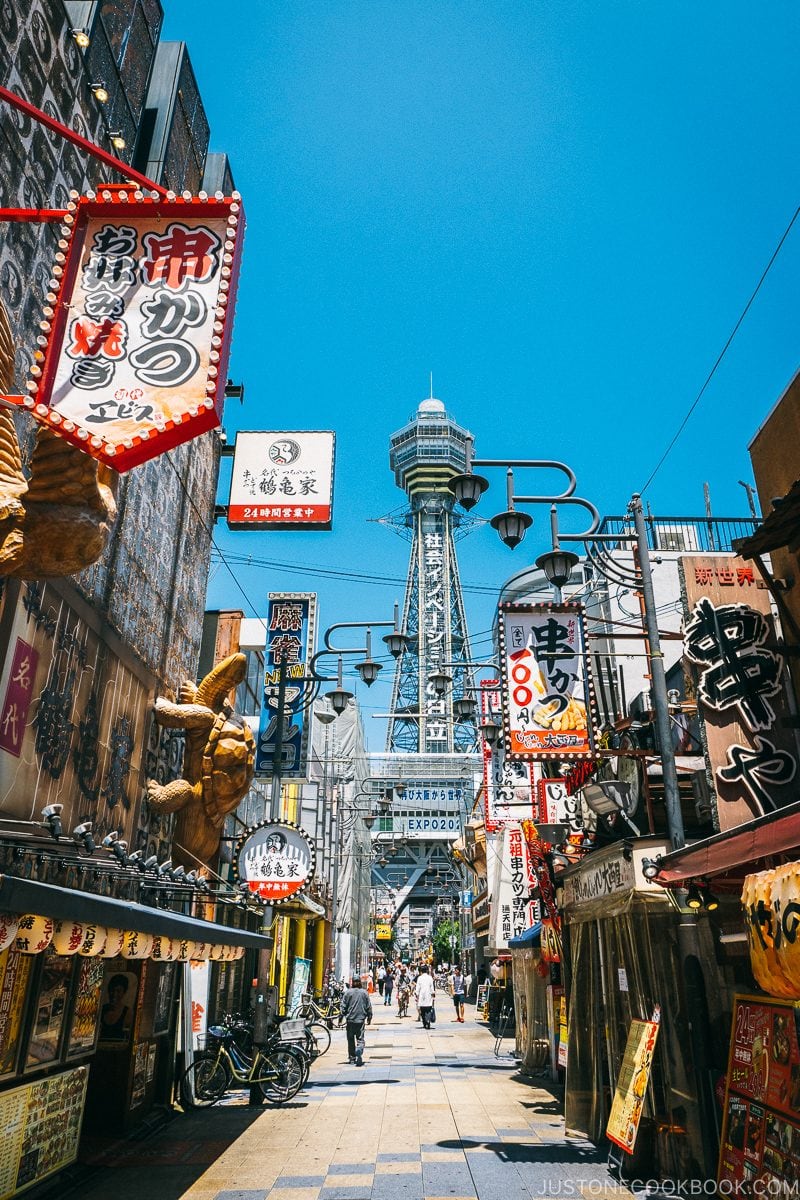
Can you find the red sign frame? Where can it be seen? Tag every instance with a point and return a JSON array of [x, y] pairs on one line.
[[187, 419]]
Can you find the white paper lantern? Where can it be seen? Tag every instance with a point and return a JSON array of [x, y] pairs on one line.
[[217, 953], [201, 951], [164, 948], [136, 945], [114, 941], [9, 923], [94, 941], [185, 950], [238, 952], [34, 934], [67, 937]]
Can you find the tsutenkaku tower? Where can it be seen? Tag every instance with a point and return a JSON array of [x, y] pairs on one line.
[[424, 455]]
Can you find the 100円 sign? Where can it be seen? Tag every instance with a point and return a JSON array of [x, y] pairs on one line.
[[547, 692], [275, 860], [133, 354]]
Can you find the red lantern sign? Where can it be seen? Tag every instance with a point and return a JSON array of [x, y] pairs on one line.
[[134, 349]]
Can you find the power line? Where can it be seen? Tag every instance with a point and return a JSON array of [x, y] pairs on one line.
[[722, 353]]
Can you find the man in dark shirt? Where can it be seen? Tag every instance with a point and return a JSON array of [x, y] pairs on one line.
[[357, 1012]]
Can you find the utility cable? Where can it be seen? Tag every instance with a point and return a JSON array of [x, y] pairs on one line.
[[722, 352]]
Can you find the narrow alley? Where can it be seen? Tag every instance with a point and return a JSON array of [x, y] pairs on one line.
[[430, 1115]]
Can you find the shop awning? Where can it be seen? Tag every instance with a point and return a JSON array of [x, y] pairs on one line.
[[780, 527], [774, 833], [64, 904], [531, 937], [301, 907]]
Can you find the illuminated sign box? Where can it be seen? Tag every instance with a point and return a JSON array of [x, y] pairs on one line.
[[282, 480], [133, 355]]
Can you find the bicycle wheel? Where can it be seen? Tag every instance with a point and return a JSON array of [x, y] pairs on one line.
[[204, 1082], [320, 1035], [281, 1075]]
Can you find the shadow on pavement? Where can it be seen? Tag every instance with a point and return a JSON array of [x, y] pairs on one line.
[[562, 1152]]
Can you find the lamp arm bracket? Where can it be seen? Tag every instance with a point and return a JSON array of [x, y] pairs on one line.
[[545, 463], [351, 625]]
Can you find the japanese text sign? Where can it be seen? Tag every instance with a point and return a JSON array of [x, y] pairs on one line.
[[512, 910], [634, 1076], [290, 639], [138, 323], [508, 786], [730, 645], [14, 716], [547, 702], [276, 860], [282, 480]]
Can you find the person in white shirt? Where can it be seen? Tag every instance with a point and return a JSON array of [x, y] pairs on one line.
[[424, 993]]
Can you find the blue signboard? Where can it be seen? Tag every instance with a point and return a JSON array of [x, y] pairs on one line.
[[290, 637]]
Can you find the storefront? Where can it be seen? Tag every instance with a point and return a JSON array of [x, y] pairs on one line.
[[624, 963], [90, 989]]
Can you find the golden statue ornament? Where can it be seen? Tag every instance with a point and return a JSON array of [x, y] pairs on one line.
[[58, 521], [218, 763]]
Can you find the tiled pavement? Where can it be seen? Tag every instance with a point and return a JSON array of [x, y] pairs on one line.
[[430, 1116]]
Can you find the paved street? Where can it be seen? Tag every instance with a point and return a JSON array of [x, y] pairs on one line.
[[430, 1115]]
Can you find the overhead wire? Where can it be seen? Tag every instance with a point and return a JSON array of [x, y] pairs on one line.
[[722, 352]]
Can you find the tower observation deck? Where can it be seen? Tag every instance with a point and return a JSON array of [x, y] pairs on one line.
[[424, 455]]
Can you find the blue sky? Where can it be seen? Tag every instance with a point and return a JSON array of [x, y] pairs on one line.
[[558, 208]]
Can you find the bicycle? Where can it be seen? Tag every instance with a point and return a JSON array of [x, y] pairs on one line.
[[325, 1012], [279, 1073], [313, 1038]]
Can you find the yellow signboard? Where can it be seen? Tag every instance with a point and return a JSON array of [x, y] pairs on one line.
[[383, 933], [634, 1075]]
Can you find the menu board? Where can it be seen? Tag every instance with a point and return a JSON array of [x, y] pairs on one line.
[[50, 1009], [634, 1075], [761, 1122], [41, 1123], [86, 1010], [15, 972]]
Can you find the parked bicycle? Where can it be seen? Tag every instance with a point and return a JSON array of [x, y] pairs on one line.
[[327, 1010], [279, 1072]]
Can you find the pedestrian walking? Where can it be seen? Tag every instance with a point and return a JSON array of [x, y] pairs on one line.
[[388, 984], [459, 991], [424, 994], [357, 1012], [381, 977]]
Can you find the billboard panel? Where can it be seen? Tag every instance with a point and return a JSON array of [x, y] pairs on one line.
[[546, 688], [730, 645], [508, 786], [282, 480], [291, 619], [138, 323]]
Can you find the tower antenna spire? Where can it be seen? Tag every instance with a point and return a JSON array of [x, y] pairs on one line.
[[431, 385]]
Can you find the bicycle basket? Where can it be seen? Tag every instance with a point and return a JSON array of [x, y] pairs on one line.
[[292, 1031]]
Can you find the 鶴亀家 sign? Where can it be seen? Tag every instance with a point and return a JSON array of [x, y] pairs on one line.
[[282, 480], [133, 354], [547, 698], [275, 860]]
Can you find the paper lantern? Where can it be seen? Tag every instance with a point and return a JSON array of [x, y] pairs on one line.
[[164, 948], [238, 952], [94, 940], [67, 937], [114, 941], [9, 923], [185, 950], [136, 945], [201, 951], [34, 934], [217, 953]]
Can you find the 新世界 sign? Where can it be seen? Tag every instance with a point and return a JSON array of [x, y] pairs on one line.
[[138, 323]]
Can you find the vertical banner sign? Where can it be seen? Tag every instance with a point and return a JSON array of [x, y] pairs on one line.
[[282, 480], [729, 640], [508, 786], [434, 629], [634, 1076], [14, 716], [760, 1144], [138, 323], [291, 618], [512, 911], [547, 697], [301, 972]]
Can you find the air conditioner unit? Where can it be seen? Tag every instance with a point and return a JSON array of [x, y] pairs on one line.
[[702, 797], [676, 537]]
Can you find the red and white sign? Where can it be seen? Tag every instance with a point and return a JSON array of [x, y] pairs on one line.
[[137, 327], [275, 860], [547, 700], [14, 715], [508, 787], [282, 480]]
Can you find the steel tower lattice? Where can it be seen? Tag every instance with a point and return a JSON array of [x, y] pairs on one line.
[[424, 455]]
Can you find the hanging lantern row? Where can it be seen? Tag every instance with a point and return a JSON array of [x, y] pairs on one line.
[[32, 934]]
